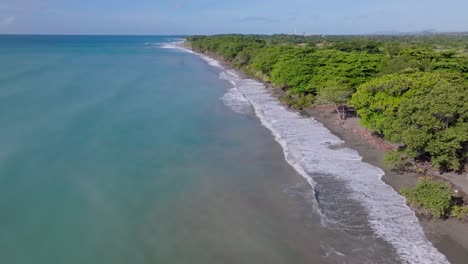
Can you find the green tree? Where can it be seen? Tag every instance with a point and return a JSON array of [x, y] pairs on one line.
[[434, 121], [424, 111], [337, 95], [391, 49], [266, 58], [294, 73]]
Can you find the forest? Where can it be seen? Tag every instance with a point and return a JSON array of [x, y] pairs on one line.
[[409, 90]]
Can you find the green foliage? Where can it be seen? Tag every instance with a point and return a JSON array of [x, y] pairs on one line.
[[425, 64], [298, 102], [434, 121], [408, 89], [349, 69], [425, 112], [360, 45], [336, 94], [304, 101], [391, 49], [244, 56], [459, 212], [377, 101], [266, 58], [400, 65], [395, 160], [418, 53], [288, 99], [294, 72], [432, 198], [228, 46]]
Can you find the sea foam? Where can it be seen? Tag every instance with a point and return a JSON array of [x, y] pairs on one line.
[[306, 145]]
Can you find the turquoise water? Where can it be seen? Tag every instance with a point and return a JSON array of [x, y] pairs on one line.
[[117, 151], [122, 150]]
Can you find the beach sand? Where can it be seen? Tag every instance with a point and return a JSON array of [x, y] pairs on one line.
[[450, 236]]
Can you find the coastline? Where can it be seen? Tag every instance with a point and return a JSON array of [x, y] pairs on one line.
[[450, 237]]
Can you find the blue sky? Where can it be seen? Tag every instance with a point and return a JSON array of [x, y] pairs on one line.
[[234, 16]]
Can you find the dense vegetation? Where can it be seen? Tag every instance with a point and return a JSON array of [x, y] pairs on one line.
[[435, 199], [411, 90], [431, 198]]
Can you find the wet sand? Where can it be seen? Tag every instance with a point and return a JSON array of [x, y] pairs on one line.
[[449, 236]]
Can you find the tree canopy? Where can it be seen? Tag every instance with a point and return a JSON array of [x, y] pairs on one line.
[[410, 90]]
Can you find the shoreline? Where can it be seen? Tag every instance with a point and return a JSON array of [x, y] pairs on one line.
[[450, 237]]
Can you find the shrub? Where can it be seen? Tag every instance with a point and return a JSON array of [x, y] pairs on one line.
[[460, 212], [298, 102], [288, 100], [395, 160], [304, 101], [433, 198]]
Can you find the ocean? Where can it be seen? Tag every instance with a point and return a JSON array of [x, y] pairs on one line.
[[128, 149]]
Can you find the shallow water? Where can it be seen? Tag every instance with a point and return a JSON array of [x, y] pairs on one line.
[[125, 150]]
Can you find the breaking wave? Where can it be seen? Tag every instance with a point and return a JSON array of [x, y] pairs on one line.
[[306, 145]]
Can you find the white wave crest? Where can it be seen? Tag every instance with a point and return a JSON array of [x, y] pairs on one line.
[[177, 46], [306, 146], [234, 99], [211, 61], [170, 45]]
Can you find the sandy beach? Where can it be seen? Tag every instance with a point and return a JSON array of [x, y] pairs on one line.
[[449, 236]]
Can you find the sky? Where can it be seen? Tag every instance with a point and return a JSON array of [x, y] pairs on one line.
[[185, 17]]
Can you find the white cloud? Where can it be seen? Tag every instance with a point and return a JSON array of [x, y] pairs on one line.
[[7, 20]]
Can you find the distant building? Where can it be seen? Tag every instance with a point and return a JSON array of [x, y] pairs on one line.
[[300, 34]]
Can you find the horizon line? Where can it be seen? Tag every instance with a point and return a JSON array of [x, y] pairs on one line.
[[422, 32]]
